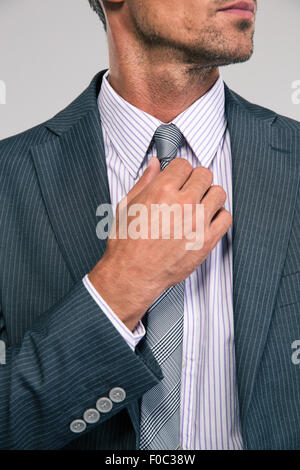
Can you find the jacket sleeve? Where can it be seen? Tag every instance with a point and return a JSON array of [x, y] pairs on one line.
[[71, 357], [132, 338]]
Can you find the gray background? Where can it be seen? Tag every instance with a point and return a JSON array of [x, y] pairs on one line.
[[51, 49]]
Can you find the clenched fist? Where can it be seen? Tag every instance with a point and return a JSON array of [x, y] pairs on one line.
[[134, 271]]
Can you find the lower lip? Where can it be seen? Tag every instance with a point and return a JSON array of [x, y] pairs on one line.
[[239, 12]]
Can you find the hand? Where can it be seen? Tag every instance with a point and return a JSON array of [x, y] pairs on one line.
[[134, 272]]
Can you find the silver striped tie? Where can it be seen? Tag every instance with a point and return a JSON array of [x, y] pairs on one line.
[[160, 408], [168, 139]]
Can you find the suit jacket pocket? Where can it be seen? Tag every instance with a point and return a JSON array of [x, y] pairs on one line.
[[289, 290]]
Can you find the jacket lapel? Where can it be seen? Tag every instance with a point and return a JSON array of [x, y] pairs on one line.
[[71, 170], [72, 173], [265, 169]]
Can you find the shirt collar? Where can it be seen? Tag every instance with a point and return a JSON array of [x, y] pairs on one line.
[[131, 130]]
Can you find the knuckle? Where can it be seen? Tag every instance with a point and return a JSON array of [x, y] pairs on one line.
[[206, 174], [181, 163], [167, 187], [184, 162], [226, 218], [220, 193]]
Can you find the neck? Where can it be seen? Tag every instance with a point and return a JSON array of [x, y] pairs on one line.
[[155, 81]]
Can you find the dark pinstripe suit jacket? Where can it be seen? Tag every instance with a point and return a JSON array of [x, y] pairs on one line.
[[63, 353]]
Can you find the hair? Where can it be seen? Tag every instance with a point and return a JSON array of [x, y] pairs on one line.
[[95, 4]]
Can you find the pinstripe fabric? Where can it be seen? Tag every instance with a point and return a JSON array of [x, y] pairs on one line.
[[63, 353], [268, 172], [56, 365], [264, 244], [209, 407]]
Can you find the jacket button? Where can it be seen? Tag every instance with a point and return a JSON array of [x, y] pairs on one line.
[[78, 425], [117, 394], [91, 416], [104, 405]]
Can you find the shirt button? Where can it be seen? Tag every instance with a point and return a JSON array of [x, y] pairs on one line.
[[78, 425], [117, 394], [91, 416], [104, 405]]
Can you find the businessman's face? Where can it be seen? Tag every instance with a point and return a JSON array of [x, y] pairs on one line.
[[216, 32]]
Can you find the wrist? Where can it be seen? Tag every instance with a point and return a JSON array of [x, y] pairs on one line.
[[122, 291]]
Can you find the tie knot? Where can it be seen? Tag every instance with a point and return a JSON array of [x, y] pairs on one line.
[[168, 139]]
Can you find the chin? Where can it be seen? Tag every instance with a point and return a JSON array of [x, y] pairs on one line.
[[223, 53], [237, 48]]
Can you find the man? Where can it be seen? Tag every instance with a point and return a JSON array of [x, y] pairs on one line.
[[141, 343]]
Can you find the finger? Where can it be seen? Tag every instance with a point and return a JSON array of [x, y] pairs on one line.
[[147, 177], [198, 183], [220, 225], [176, 173], [213, 201]]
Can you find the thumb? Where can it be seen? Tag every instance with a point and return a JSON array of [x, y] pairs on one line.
[[147, 177]]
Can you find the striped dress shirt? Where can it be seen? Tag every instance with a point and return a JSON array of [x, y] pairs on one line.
[[209, 402]]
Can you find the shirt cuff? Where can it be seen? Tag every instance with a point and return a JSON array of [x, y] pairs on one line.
[[132, 338]]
